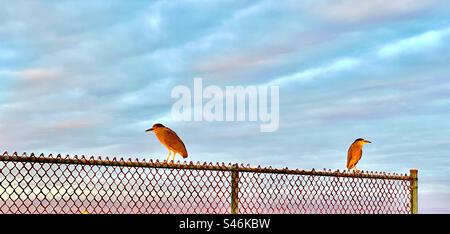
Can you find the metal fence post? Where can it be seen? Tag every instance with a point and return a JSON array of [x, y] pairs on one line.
[[414, 191], [234, 189]]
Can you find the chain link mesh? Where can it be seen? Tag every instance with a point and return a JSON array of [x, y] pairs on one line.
[[56, 184], [284, 193]]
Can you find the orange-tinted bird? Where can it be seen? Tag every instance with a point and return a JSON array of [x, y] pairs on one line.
[[170, 140], [355, 152]]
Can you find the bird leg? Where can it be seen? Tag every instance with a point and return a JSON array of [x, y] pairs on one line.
[[168, 157], [173, 156]]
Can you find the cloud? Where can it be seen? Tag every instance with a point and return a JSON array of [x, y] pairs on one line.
[[354, 10], [423, 43], [37, 75], [339, 65], [415, 44]]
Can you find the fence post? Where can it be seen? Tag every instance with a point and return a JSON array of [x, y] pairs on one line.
[[414, 191], [234, 189]]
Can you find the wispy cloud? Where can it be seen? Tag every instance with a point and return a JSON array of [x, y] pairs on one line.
[[416, 44], [343, 64], [354, 10]]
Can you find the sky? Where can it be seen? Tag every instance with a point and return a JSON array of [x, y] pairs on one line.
[[88, 77]]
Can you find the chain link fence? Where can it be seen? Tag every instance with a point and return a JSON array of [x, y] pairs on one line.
[[62, 184]]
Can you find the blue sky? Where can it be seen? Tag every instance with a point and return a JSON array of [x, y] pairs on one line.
[[88, 77]]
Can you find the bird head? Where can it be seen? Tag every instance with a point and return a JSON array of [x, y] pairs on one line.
[[155, 127], [362, 141]]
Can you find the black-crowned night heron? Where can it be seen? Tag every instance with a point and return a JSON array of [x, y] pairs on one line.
[[355, 152], [170, 140]]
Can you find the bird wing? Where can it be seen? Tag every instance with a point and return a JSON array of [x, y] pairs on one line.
[[353, 156], [174, 142]]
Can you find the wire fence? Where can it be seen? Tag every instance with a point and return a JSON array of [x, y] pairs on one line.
[[63, 184]]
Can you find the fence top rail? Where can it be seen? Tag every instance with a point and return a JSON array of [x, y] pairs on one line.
[[92, 161]]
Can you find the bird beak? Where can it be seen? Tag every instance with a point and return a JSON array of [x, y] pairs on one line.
[[366, 141], [149, 130]]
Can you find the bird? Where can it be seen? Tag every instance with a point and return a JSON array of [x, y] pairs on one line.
[[355, 152], [170, 140]]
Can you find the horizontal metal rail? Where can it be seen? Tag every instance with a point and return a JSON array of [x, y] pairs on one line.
[[82, 160]]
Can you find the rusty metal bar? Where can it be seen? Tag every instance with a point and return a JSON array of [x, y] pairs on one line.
[[191, 166], [414, 191]]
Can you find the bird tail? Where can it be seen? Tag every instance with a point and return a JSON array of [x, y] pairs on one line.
[[185, 155], [350, 166]]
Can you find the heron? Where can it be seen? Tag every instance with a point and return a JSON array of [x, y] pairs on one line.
[[170, 140], [355, 152]]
